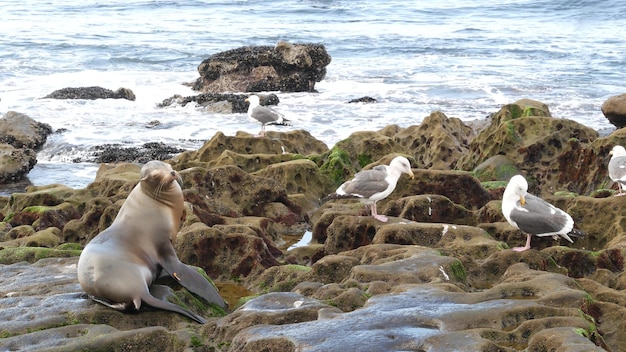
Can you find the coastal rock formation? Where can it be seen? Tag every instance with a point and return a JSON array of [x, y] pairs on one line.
[[220, 103], [20, 138], [284, 67], [614, 109], [525, 133], [110, 153], [91, 93], [438, 276]]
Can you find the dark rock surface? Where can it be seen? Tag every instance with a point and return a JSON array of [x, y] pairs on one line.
[[364, 99], [220, 103], [109, 153], [91, 93], [284, 67]]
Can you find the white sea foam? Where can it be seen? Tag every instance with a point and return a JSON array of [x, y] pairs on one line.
[[464, 58]]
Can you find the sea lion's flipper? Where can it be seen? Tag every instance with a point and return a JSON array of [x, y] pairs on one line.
[[165, 305], [192, 280]]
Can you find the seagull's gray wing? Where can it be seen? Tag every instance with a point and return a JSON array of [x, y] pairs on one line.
[[266, 115], [540, 218], [367, 183]]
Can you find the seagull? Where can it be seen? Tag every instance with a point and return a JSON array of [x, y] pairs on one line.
[[617, 168], [264, 115], [370, 186], [533, 215]]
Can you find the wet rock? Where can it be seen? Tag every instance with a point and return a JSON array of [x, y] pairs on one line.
[[438, 142], [250, 152], [234, 190], [364, 99], [614, 109], [431, 208], [496, 168], [15, 163], [278, 309], [364, 148], [434, 317], [21, 131], [224, 254], [91, 93], [223, 103], [110, 153], [49, 238], [285, 67], [12, 255], [59, 318], [526, 133], [20, 138], [582, 167], [299, 177], [37, 198]]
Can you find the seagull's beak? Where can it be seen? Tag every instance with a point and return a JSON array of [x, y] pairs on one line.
[[411, 174], [247, 101], [611, 152], [522, 200]]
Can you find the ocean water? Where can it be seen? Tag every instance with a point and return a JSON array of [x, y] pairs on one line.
[[465, 58]]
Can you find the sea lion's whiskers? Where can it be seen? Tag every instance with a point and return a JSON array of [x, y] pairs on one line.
[[159, 188]]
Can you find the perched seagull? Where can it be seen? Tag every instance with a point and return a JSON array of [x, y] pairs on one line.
[[370, 186], [264, 115], [617, 168], [533, 215]]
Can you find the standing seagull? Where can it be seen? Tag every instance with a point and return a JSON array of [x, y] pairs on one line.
[[617, 168], [373, 185], [264, 115], [533, 215]]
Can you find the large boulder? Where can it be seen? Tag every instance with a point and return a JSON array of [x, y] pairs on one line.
[[284, 67], [527, 134], [20, 138], [614, 109], [438, 142], [15, 163], [21, 131]]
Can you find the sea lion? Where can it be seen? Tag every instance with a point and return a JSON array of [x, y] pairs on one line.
[[117, 266]]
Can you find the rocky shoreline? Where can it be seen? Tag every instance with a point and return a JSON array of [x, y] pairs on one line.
[[438, 276]]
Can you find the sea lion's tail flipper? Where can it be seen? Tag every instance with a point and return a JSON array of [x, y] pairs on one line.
[[193, 281], [165, 305]]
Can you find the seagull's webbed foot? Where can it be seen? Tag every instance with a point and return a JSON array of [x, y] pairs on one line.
[[375, 214], [380, 218], [526, 247]]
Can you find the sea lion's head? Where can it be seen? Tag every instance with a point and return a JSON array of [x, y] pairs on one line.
[[161, 182]]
